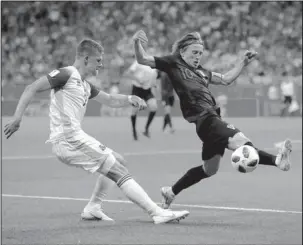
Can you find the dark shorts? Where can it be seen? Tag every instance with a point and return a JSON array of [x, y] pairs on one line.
[[144, 94], [287, 99], [214, 133], [168, 100]]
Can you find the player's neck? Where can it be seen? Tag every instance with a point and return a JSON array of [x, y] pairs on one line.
[[80, 69]]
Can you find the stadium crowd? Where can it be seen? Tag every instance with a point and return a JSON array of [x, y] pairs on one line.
[[37, 36]]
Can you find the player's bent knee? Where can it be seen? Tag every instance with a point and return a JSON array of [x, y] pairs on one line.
[[211, 166], [237, 140], [117, 171]]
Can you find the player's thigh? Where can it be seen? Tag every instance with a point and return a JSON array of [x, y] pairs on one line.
[[227, 135], [85, 152], [212, 164], [119, 158]]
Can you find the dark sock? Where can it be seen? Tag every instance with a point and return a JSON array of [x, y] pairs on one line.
[[265, 158], [165, 121], [133, 119], [149, 120], [169, 121], [193, 176]]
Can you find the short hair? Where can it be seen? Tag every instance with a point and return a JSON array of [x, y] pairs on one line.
[[88, 47], [186, 40]]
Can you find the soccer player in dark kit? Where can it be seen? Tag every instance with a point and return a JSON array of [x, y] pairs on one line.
[[190, 81]]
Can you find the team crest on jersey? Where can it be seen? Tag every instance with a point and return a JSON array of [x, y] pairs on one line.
[[231, 126], [102, 147]]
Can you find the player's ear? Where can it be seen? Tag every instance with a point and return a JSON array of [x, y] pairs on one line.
[[86, 60], [182, 51]]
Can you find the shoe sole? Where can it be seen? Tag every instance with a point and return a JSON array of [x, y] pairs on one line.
[[172, 220], [91, 217]]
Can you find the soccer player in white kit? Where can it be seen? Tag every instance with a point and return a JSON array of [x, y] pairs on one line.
[[143, 80], [70, 93]]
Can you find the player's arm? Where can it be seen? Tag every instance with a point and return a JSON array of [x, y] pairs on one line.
[[29, 93], [116, 100], [142, 57], [54, 79], [229, 77]]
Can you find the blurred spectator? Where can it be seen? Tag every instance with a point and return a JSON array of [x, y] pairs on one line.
[[287, 92], [273, 93]]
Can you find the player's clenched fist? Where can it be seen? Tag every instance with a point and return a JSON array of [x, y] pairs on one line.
[[249, 56], [140, 35], [137, 102]]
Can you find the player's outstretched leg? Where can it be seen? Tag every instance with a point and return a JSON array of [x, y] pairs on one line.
[[281, 160], [93, 210], [134, 192]]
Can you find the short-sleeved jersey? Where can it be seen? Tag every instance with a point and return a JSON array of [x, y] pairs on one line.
[[167, 89], [191, 86], [69, 97], [145, 76]]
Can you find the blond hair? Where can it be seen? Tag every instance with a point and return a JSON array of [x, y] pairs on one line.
[[88, 47], [186, 40]]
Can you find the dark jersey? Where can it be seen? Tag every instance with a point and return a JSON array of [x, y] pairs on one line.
[[167, 89], [191, 85]]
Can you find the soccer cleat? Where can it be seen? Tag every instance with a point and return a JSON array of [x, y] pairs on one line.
[[146, 134], [172, 130], [168, 196], [282, 159], [168, 216], [94, 213]]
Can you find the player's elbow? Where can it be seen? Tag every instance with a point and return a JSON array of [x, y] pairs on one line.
[[31, 89]]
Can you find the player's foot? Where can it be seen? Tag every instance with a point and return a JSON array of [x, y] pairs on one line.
[[169, 216], [172, 130], [146, 133], [135, 135], [168, 196], [282, 159], [94, 212]]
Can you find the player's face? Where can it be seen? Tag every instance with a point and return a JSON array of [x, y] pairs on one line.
[[192, 54], [94, 63]]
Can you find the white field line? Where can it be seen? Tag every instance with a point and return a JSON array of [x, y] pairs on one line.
[[146, 153], [177, 205]]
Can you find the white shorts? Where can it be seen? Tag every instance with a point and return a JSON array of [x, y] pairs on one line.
[[86, 152]]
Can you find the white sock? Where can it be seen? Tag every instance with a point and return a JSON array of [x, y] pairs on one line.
[[102, 187], [137, 195]]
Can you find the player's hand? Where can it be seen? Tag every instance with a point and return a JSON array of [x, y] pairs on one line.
[[140, 35], [137, 102], [249, 56], [11, 127]]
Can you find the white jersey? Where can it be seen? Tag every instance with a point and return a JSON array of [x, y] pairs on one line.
[[145, 76], [69, 97]]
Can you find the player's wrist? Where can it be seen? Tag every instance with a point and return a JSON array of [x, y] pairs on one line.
[[129, 99]]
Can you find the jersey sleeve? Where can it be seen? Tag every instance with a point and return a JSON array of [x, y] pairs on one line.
[[94, 91], [163, 63], [58, 78]]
